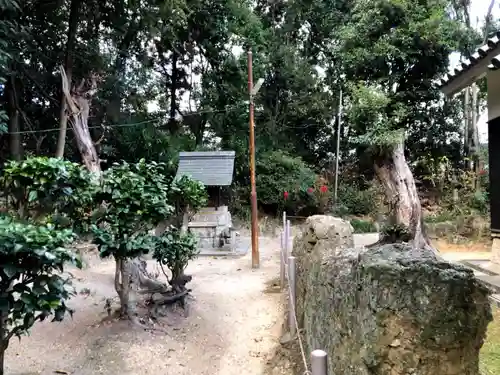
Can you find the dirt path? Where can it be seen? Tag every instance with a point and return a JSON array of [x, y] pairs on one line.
[[232, 327]]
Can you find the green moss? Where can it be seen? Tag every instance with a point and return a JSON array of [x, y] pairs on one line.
[[490, 353]]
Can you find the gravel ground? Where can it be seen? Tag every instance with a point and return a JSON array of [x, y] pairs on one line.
[[233, 326]]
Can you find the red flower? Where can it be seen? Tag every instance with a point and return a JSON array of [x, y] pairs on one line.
[[323, 189], [482, 172], [285, 195], [310, 190]]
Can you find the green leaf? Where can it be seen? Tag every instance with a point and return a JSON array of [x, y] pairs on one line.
[[26, 298], [28, 320], [54, 304], [33, 195], [10, 270]]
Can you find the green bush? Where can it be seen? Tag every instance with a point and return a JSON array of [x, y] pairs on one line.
[[480, 202], [175, 249], [279, 172], [354, 201], [31, 285], [440, 217], [186, 196], [50, 190], [363, 226], [133, 199]]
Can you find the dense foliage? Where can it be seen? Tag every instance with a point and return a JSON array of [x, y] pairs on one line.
[[174, 249], [173, 77], [187, 196], [31, 285], [279, 173], [177, 246], [51, 190], [163, 77]]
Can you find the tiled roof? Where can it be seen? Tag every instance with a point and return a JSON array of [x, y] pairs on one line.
[[212, 168], [487, 51]]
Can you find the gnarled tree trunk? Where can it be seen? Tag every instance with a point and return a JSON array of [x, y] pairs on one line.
[[131, 279], [68, 66], [397, 179], [78, 102]]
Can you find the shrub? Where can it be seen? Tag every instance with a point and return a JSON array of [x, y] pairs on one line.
[[186, 196], [480, 202], [354, 201], [49, 190], [278, 172], [134, 199], [175, 249], [363, 226], [31, 288]]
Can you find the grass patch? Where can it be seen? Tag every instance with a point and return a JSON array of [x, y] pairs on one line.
[[490, 352], [363, 226]]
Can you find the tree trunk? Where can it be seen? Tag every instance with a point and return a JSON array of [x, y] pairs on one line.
[[397, 179], [124, 292], [2, 359], [68, 66], [123, 286], [173, 125], [4, 343], [78, 101], [14, 128], [131, 279], [84, 140]]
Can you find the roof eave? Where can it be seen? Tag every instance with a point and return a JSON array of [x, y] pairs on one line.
[[465, 80], [472, 69]]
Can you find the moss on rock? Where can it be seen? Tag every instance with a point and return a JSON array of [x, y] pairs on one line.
[[387, 310]]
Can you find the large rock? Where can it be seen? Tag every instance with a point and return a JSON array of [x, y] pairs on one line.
[[392, 310], [319, 235]]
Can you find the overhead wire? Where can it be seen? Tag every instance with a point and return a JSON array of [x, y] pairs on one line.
[[111, 126]]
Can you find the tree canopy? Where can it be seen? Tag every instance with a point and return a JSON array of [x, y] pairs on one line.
[[159, 77]]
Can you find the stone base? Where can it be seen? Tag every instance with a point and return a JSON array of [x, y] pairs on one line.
[[214, 229], [495, 250]]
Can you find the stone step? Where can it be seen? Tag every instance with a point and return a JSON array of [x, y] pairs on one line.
[[209, 213], [202, 224], [211, 209]]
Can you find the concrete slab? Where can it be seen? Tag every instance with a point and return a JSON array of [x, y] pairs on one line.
[[242, 250], [481, 265], [492, 281], [459, 256], [365, 239]]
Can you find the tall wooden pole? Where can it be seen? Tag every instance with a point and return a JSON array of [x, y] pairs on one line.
[[337, 151], [253, 194]]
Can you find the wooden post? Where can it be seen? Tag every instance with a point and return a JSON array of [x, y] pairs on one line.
[[253, 194], [337, 152]]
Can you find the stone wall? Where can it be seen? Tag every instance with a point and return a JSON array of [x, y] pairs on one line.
[[391, 310]]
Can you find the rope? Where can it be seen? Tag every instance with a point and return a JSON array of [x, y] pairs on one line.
[[292, 306]]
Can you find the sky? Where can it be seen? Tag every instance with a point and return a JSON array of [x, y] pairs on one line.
[[479, 9]]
